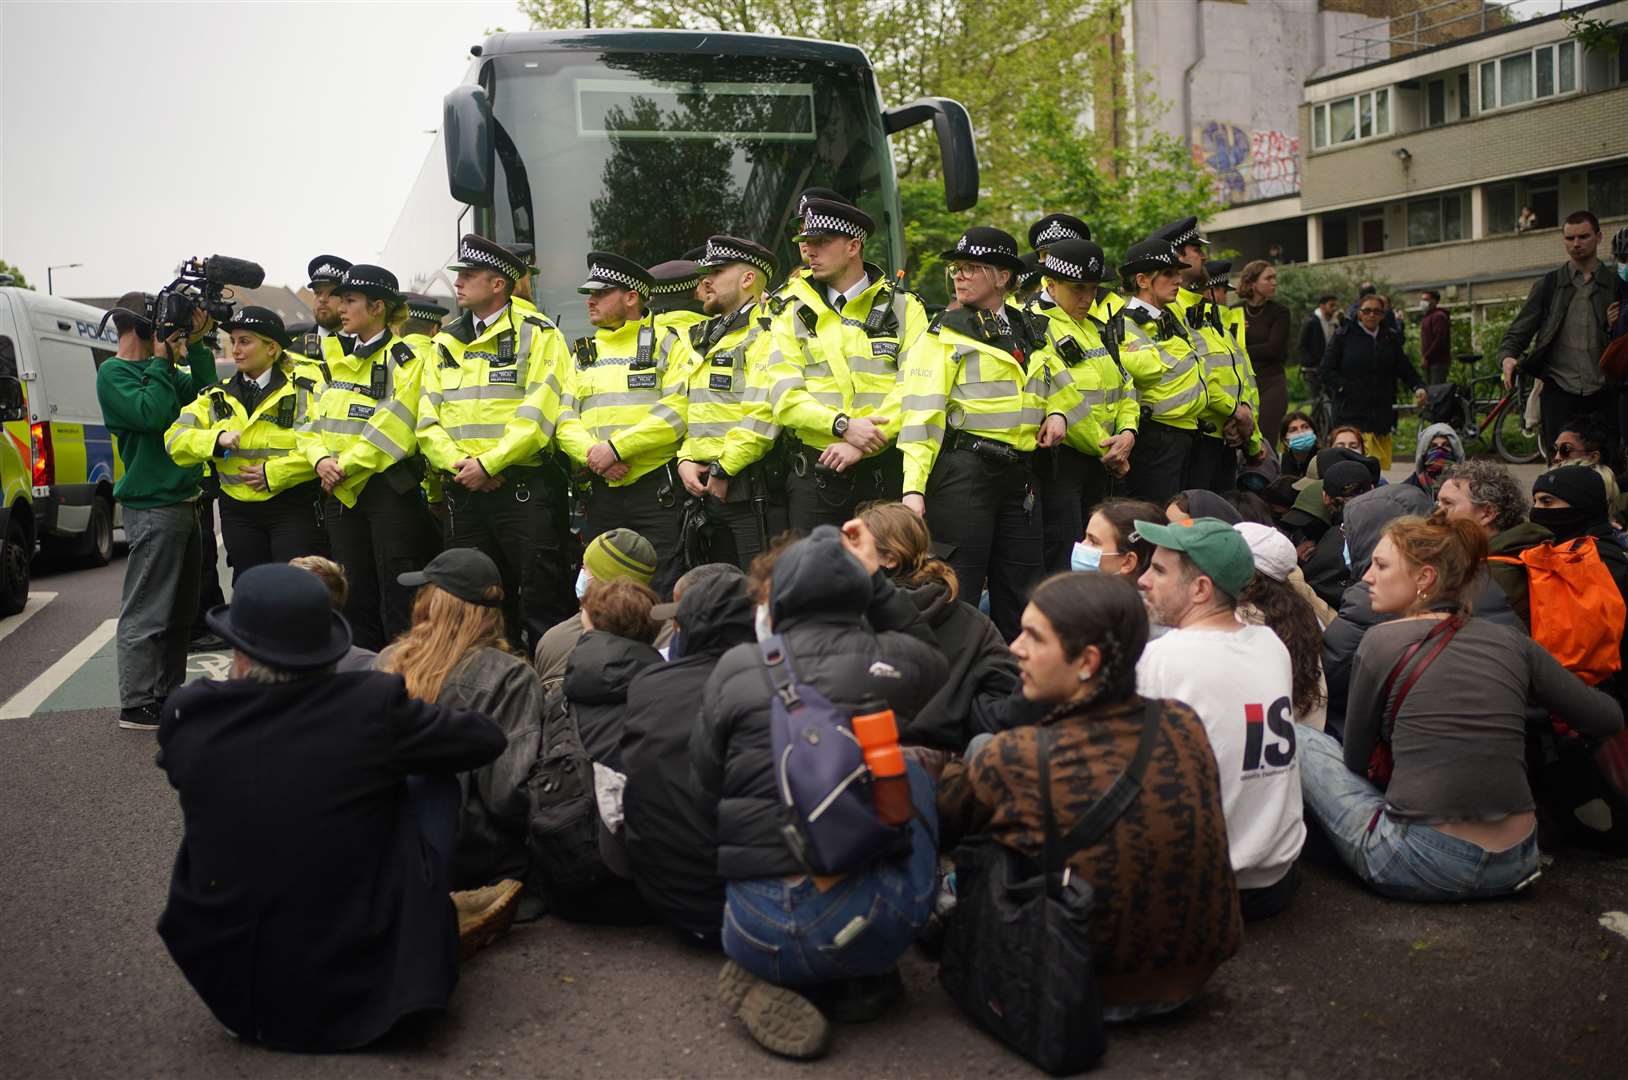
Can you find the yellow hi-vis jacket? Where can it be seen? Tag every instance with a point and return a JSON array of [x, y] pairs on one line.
[[824, 362], [493, 397], [268, 434], [966, 375], [680, 319], [1098, 396], [321, 349], [1229, 377], [1163, 363], [726, 349], [366, 414], [627, 387]]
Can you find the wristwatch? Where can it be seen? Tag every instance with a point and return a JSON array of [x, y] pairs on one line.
[[716, 471], [839, 426]]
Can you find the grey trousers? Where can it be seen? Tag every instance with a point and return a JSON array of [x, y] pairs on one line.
[[159, 602]]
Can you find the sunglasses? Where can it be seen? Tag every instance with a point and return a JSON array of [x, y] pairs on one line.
[[1566, 450], [1369, 311]]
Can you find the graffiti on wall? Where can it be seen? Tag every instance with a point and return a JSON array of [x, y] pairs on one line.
[[1248, 164]]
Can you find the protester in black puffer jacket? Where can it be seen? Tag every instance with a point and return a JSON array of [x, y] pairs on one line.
[[604, 663], [850, 634], [670, 846], [983, 671]]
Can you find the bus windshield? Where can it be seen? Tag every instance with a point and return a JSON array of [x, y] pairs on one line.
[[647, 153]]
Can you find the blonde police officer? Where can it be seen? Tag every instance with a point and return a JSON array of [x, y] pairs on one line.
[[979, 398], [485, 419], [623, 399], [271, 502], [361, 442]]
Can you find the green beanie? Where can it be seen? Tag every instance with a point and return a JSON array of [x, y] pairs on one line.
[[620, 553]]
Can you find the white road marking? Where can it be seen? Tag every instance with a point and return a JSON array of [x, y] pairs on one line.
[[1616, 922], [36, 601], [25, 701]]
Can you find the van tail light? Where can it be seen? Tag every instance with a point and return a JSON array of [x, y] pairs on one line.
[[44, 468]]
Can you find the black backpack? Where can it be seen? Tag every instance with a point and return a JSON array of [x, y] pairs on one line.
[[563, 829]]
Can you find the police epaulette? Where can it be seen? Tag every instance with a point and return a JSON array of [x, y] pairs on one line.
[[698, 333], [937, 321], [402, 353], [539, 320]]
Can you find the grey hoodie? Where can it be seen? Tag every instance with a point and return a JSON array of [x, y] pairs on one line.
[[1426, 434]]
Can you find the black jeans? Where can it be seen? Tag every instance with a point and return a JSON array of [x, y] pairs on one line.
[[1159, 462], [385, 534], [516, 526], [650, 506], [1071, 485], [1559, 407], [749, 517], [1214, 465], [283, 527], [210, 594], [988, 511], [817, 496], [1257, 904]]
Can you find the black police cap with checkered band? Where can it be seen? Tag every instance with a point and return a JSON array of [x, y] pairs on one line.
[[1055, 227], [479, 253], [328, 268], [831, 217], [986, 244], [723, 250], [427, 308], [258, 320], [1180, 233], [1150, 256], [674, 277], [1216, 273], [829, 194], [1078, 261], [371, 281], [610, 271]]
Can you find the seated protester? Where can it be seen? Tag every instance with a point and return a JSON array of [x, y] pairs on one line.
[[1298, 444], [1489, 495], [1366, 517], [455, 654], [1343, 437], [1197, 503], [1456, 821], [1589, 440], [332, 576], [1323, 563], [1272, 601], [1111, 545], [1166, 913], [672, 853], [1280, 497], [618, 642], [1439, 450], [1240, 681], [617, 553], [789, 936], [983, 671], [309, 902], [1250, 506]]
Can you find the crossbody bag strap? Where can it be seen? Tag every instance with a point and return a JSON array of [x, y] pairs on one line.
[[778, 669], [1108, 809], [1441, 633], [1050, 859]]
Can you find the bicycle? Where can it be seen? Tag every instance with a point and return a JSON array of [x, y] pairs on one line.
[[1501, 411]]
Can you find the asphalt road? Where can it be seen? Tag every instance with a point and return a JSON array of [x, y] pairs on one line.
[[1343, 984]]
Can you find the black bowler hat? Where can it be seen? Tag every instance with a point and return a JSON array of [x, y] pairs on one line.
[[259, 320], [464, 572], [832, 217], [987, 244], [723, 250], [1180, 233], [326, 268], [282, 616], [1216, 274], [1149, 257], [374, 282], [1078, 261], [478, 253], [610, 271], [427, 308], [1055, 227], [675, 277]]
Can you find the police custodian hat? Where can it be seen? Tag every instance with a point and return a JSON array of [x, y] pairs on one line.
[[987, 244], [1078, 261], [478, 253], [1055, 227], [833, 217], [1150, 256], [610, 271], [374, 282], [326, 268], [675, 277], [258, 320], [1180, 233], [723, 250]]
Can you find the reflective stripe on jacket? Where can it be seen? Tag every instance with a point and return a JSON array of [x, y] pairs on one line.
[[366, 414], [626, 387], [268, 436], [726, 348]]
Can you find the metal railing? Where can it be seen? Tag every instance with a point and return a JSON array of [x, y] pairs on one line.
[[1430, 24]]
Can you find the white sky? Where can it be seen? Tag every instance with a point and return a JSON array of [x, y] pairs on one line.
[[133, 135]]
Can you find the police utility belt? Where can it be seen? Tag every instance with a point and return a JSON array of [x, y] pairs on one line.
[[991, 450]]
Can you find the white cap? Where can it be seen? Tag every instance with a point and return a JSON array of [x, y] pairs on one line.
[[1274, 554]]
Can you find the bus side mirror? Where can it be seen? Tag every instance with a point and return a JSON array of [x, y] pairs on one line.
[[13, 406], [466, 125], [957, 146]]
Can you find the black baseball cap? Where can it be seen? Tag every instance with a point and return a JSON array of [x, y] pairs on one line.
[[464, 572]]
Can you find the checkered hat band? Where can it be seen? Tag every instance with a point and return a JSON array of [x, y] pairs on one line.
[[482, 257], [428, 314], [670, 288], [718, 254], [828, 223], [1058, 231], [363, 282], [1064, 267], [981, 249], [1188, 237], [616, 277], [327, 270]]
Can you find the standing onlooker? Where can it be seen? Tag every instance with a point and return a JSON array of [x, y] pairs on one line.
[[1435, 338], [1314, 334], [142, 389], [1362, 366], [1369, 289], [1564, 321], [1266, 336]]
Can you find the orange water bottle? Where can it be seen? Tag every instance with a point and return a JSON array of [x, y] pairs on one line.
[[878, 737]]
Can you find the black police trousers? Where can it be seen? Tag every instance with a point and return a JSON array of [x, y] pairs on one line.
[[283, 527], [751, 517], [987, 511], [1159, 462], [516, 525], [1214, 465], [816, 496], [385, 534], [649, 506], [1071, 485]]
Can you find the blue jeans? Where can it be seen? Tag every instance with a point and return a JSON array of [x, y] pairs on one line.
[[798, 936], [160, 601], [1396, 858]]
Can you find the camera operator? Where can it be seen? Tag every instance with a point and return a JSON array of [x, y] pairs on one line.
[[142, 389]]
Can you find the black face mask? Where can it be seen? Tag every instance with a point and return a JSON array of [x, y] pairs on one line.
[[1566, 522]]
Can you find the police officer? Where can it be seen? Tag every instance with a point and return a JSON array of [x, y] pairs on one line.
[[623, 399], [1103, 414], [1228, 422], [675, 295], [832, 380], [980, 398], [1054, 227], [1156, 350], [522, 297], [271, 503], [736, 338], [329, 341], [362, 444], [425, 314]]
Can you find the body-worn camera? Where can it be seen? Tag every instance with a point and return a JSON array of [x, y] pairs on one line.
[[200, 285]]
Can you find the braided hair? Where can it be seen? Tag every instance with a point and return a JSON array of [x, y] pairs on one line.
[[1104, 610]]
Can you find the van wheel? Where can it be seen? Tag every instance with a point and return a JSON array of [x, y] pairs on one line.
[[96, 547], [14, 560]]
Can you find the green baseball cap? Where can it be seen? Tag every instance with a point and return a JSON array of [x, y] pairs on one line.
[[1216, 547]]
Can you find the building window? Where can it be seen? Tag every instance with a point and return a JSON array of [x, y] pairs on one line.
[[1543, 72], [1361, 116], [1435, 103], [1464, 95], [1436, 220], [1608, 191], [1501, 205], [1371, 232], [1319, 127]]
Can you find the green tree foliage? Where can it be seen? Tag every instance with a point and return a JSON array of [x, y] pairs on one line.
[[20, 281]]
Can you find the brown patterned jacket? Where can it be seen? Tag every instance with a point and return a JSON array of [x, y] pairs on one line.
[[1166, 912]]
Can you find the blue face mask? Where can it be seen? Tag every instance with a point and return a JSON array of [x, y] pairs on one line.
[[583, 578], [1302, 440], [1622, 270], [1085, 558]]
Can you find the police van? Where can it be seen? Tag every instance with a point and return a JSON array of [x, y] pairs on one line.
[[57, 462]]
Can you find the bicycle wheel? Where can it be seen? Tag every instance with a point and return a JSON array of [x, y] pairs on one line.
[[1513, 441]]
